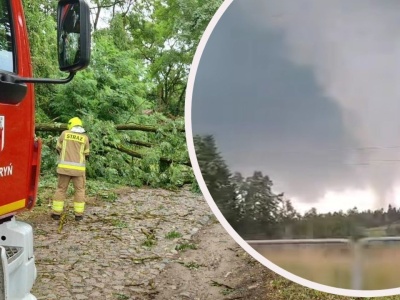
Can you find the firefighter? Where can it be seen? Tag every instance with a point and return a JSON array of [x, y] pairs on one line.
[[73, 147]]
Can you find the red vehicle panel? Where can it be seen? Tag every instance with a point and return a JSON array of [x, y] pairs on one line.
[[19, 150]]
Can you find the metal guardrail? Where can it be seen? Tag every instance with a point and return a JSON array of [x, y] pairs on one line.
[[357, 247], [299, 241]]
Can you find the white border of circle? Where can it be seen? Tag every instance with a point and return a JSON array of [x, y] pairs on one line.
[[213, 206]]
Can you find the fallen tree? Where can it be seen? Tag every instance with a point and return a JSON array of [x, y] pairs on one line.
[[58, 127], [138, 155]]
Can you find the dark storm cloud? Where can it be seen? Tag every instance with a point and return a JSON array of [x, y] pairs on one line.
[[292, 93]]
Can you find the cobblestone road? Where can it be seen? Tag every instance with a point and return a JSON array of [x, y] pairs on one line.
[[119, 248]]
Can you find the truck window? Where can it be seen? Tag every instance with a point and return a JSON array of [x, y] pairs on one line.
[[6, 45]]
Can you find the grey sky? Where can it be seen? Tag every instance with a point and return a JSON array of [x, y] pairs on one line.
[[306, 91]]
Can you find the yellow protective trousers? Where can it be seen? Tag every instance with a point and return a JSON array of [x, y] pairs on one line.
[[61, 194]]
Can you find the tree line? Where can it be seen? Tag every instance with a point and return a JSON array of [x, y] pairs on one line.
[[256, 212]]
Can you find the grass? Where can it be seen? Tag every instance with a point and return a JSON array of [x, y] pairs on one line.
[[173, 235], [185, 246], [376, 231], [119, 223], [192, 265], [149, 243], [121, 297], [282, 289]]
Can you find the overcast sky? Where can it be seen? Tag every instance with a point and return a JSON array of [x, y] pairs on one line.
[[308, 92]]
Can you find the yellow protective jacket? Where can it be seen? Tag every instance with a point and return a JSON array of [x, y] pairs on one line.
[[73, 148]]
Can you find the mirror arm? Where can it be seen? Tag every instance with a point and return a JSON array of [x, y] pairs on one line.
[[45, 80]]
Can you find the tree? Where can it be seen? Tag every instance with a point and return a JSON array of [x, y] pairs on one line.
[[166, 33], [216, 176], [106, 5], [41, 23], [259, 207], [289, 218]]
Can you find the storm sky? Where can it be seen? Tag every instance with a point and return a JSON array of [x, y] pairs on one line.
[[308, 92]]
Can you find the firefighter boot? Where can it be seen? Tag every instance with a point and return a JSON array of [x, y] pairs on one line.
[[79, 208], [55, 217], [57, 209]]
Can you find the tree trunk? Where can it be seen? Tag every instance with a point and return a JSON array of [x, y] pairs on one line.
[[138, 155]]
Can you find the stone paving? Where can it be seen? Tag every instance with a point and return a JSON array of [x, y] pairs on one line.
[[118, 250]]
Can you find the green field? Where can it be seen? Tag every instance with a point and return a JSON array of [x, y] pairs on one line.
[[332, 264], [376, 231]]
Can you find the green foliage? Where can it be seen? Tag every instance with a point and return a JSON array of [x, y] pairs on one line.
[[195, 187], [121, 297], [108, 164], [49, 153], [101, 188], [41, 23], [149, 242], [173, 235], [110, 93], [107, 196], [119, 223], [167, 32], [46, 189], [139, 64]]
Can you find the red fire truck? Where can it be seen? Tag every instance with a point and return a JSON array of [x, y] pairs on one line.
[[19, 148]]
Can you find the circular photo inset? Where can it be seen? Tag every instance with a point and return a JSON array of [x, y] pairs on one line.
[[293, 129]]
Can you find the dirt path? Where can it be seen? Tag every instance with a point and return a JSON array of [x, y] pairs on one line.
[[148, 244], [217, 269]]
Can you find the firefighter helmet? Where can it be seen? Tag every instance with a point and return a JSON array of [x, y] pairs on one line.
[[74, 122]]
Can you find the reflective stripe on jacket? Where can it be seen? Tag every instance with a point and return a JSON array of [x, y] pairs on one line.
[[73, 147]]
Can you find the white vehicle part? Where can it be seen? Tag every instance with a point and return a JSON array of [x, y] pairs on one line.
[[17, 263]]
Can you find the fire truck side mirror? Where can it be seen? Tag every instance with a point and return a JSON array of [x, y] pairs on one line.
[[73, 35], [74, 41]]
